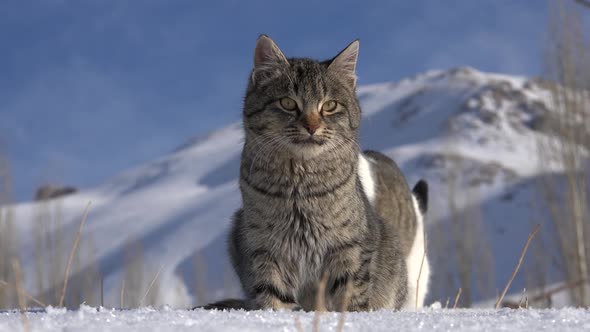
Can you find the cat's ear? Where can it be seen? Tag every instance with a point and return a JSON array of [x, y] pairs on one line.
[[345, 63], [267, 53]]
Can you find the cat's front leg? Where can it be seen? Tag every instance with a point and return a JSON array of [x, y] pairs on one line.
[[350, 279], [269, 297], [348, 293], [268, 288]]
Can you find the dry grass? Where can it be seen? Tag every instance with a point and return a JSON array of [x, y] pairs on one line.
[[22, 302], [122, 295], [524, 249], [36, 301], [48, 241], [344, 307], [142, 302], [71, 256], [200, 277], [459, 291], [298, 325], [522, 297], [320, 302], [49, 270], [4, 284], [547, 295], [133, 274], [102, 292]]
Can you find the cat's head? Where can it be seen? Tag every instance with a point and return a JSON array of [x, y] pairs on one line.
[[300, 105]]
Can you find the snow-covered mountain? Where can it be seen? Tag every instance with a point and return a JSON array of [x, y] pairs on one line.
[[474, 136]]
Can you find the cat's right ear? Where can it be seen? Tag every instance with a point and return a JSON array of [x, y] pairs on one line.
[[345, 63], [267, 53]]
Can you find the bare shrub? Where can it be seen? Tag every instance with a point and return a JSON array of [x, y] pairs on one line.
[[49, 250], [567, 198], [469, 259], [85, 287], [141, 280], [8, 238]]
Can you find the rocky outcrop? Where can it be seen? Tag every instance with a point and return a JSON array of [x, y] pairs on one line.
[[46, 192]]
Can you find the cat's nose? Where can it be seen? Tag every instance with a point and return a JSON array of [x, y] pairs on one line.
[[311, 127], [311, 122]]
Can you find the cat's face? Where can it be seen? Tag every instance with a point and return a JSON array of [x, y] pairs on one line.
[[301, 106]]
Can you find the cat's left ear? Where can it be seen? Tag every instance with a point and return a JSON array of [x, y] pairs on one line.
[[268, 60], [268, 53], [345, 63]]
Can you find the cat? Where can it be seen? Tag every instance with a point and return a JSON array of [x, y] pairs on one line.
[[319, 216]]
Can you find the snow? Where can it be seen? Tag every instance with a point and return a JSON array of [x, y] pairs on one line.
[[179, 206], [166, 319]]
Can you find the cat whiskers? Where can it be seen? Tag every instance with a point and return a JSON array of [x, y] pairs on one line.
[[268, 147], [353, 142], [343, 144], [262, 143], [262, 148], [279, 144]]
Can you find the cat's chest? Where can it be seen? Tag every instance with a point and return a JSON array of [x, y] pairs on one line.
[[304, 241], [301, 233], [302, 228]]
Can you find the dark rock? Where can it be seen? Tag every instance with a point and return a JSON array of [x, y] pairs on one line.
[[47, 192]]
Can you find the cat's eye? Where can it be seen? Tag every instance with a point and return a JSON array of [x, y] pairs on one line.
[[329, 106], [288, 104]]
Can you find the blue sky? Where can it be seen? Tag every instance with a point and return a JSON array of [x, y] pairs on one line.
[[89, 88]]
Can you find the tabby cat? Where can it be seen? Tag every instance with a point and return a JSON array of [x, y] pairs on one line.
[[315, 209]]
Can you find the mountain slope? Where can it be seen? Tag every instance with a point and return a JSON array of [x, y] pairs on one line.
[[472, 135]]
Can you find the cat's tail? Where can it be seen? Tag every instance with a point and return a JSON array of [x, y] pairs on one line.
[[417, 259], [227, 304], [420, 191]]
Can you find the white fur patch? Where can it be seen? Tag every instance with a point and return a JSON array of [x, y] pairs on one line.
[[413, 262], [367, 178]]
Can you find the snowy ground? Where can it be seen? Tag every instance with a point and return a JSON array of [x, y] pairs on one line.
[[147, 319]]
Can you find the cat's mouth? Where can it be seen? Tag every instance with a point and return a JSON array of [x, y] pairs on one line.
[[309, 140]]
